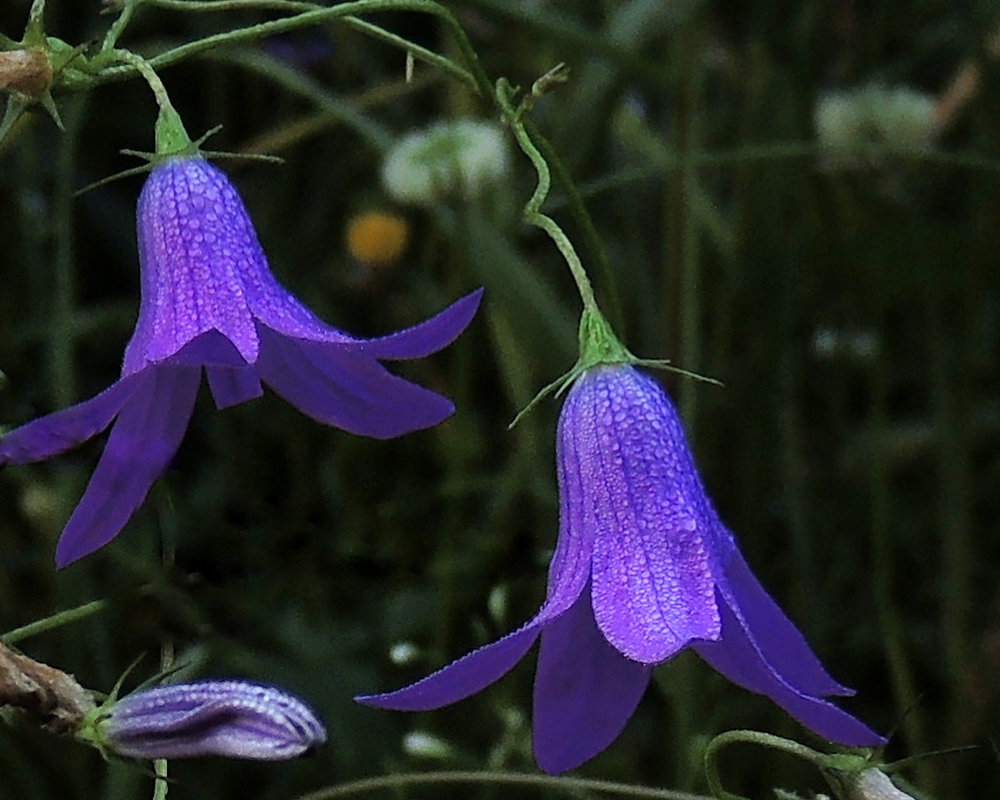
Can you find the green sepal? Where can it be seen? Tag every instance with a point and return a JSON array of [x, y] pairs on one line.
[[172, 138], [599, 345]]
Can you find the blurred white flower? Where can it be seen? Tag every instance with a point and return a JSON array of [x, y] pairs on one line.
[[450, 158], [894, 116], [838, 120], [404, 653], [421, 744]]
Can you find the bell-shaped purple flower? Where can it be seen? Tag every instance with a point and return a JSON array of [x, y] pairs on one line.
[[208, 718], [210, 301], [642, 569]]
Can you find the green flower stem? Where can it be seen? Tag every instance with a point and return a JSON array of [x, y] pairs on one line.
[[171, 136], [168, 557], [532, 209], [61, 334], [568, 785], [883, 560], [160, 782], [421, 53], [55, 621], [117, 27], [145, 69], [311, 15], [579, 211], [232, 5], [752, 737]]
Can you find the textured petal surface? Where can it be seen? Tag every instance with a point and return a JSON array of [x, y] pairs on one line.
[[427, 337], [736, 657], [773, 634], [145, 437], [585, 690], [208, 349], [227, 718], [351, 391], [199, 257], [462, 678], [654, 561], [569, 570], [56, 433]]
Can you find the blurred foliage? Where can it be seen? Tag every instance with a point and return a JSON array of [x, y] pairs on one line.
[[853, 313]]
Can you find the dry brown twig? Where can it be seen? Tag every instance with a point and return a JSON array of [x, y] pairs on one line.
[[51, 695]]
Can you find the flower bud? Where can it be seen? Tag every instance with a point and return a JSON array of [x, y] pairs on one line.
[[224, 718], [27, 71], [873, 784]]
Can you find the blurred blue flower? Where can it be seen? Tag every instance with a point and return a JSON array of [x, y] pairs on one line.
[[206, 718], [642, 569], [210, 301]]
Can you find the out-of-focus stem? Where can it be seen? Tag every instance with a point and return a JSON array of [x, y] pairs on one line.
[[954, 500], [55, 621], [572, 786], [62, 373], [963, 87], [682, 254], [900, 675]]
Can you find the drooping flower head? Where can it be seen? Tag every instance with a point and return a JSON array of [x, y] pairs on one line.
[[209, 301], [236, 719], [643, 568]]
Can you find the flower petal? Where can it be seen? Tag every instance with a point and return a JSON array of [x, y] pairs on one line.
[[585, 690], [211, 348], [736, 656], [144, 439], [654, 564], [55, 433], [460, 679], [780, 643], [348, 390], [233, 385], [427, 337], [199, 257], [569, 570]]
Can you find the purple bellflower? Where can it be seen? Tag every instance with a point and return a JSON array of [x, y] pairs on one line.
[[642, 569], [210, 301], [207, 718]]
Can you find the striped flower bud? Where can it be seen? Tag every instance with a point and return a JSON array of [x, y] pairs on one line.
[[222, 718]]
